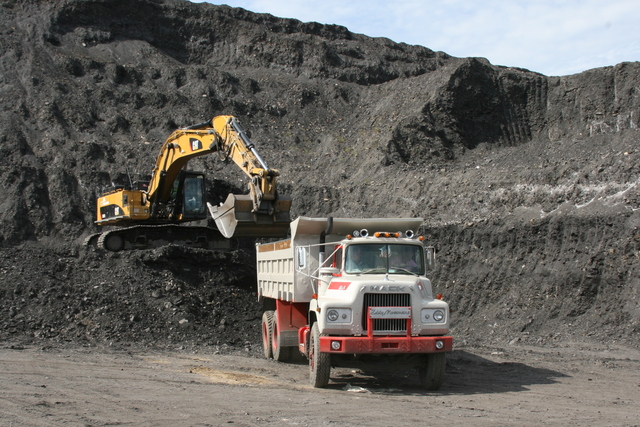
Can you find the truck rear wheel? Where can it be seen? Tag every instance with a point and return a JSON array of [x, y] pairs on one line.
[[432, 372], [267, 332], [319, 363], [280, 353]]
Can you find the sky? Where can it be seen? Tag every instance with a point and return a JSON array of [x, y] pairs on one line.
[[555, 38]]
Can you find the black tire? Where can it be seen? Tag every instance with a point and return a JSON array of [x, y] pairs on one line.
[[319, 363], [432, 372], [267, 333], [280, 353]]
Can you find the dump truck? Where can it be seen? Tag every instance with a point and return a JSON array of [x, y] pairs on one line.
[[353, 293]]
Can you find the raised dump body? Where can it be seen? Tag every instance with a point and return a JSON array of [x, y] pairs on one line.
[[350, 292]]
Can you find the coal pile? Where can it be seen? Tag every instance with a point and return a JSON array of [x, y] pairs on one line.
[[183, 297], [528, 183]]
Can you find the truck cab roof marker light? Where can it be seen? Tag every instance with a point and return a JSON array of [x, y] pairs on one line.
[[360, 233], [387, 234]]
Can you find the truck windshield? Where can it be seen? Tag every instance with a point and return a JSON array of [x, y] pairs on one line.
[[384, 258]]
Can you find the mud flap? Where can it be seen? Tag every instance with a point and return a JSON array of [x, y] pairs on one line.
[[234, 217]]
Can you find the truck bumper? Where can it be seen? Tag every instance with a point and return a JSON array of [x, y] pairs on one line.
[[387, 344]]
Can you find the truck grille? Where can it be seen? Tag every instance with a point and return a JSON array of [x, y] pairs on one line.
[[386, 300]]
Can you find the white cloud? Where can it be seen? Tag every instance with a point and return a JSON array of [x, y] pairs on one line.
[[552, 37]]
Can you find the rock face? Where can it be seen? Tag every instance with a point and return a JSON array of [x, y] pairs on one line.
[[528, 183]]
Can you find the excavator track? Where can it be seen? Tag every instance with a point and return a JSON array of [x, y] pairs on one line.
[[154, 236]]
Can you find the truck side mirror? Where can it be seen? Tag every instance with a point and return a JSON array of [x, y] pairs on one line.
[[301, 258], [430, 253]]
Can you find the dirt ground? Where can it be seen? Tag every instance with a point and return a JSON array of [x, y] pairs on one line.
[[575, 384]]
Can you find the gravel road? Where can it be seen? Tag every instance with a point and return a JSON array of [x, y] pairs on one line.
[[570, 385]]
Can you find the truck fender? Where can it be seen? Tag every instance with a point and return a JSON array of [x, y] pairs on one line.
[[303, 340]]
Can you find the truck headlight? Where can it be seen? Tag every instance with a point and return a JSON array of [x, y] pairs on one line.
[[433, 315], [339, 315]]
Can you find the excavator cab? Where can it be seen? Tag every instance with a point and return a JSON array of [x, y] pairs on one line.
[[187, 200], [193, 196]]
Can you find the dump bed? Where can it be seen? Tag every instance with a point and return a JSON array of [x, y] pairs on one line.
[[278, 277], [275, 270]]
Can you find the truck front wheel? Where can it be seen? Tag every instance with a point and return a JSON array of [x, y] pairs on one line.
[[432, 371], [267, 332], [319, 363]]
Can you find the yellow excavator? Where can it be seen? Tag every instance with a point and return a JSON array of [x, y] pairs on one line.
[[149, 213]]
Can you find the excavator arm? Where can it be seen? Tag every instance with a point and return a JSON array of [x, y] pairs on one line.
[[239, 148], [261, 213]]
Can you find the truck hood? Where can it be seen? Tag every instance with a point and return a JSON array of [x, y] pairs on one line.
[[392, 283]]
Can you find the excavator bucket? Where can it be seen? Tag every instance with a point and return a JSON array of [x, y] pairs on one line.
[[235, 218]]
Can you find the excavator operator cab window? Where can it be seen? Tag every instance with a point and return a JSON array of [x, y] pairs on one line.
[[194, 196], [141, 185]]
